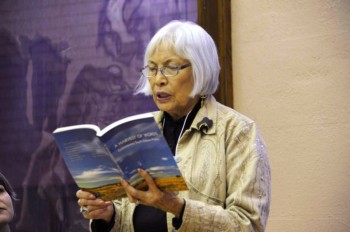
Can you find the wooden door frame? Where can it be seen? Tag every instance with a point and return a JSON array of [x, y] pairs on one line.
[[215, 18]]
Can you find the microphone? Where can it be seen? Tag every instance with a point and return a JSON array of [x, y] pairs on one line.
[[205, 124]]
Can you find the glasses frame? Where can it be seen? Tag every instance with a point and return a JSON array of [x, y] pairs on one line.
[[177, 68]]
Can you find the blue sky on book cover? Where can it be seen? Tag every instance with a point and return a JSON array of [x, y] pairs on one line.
[[87, 160], [141, 145]]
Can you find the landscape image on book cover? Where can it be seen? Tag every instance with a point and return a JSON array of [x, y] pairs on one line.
[[97, 159]]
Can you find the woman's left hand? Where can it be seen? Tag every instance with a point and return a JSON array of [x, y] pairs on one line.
[[166, 201]]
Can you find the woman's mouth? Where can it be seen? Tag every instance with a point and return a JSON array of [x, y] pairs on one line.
[[163, 97]]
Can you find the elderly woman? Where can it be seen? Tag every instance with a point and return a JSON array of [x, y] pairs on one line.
[[7, 197], [219, 151]]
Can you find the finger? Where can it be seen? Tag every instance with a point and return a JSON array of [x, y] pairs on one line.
[[131, 198], [129, 191], [99, 213], [98, 203], [85, 195], [92, 208], [149, 180]]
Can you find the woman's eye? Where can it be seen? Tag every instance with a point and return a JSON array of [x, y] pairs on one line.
[[173, 67], [2, 189]]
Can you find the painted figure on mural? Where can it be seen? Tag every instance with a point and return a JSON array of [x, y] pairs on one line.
[[14, 123], [45, 185]]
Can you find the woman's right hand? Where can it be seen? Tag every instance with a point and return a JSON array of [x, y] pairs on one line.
[[97, 208]]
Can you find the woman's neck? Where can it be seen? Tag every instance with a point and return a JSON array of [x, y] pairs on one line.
[[178, 115]]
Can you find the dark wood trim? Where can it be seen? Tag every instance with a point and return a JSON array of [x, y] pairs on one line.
[[215, 18]]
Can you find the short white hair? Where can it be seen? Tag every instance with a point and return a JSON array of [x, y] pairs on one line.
[[193, 43]]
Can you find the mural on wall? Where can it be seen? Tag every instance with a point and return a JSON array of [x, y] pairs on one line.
[[65, 63]]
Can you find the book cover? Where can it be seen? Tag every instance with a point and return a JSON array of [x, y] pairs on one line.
[[97, 158]]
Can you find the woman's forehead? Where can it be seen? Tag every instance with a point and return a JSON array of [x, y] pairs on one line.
[[165, 52], [163, 47]]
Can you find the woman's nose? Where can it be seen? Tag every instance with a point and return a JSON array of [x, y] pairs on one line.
[[160, 78]]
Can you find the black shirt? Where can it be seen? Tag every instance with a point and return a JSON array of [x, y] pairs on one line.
[[149, 219]]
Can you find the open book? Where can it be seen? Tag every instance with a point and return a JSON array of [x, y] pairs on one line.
[[97, 158]]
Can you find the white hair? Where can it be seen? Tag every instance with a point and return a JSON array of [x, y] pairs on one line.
[[193, 43]]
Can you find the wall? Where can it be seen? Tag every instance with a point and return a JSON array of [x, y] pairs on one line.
[[291, 65]]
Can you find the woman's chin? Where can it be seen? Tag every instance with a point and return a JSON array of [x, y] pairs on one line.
[[163, 107]]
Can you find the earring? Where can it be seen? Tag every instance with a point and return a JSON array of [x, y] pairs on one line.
[[203, 97]]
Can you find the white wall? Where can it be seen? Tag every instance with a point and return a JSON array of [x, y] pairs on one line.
[[291, 70]]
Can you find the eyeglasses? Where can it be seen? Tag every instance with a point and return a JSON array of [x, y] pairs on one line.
[[167, 71]]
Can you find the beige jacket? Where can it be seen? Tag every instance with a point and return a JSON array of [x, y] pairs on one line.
[[227, 172]]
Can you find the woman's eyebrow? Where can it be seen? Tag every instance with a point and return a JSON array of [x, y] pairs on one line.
[[164, 62]]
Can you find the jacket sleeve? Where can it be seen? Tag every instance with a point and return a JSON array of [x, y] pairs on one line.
[[247, 201], [121, 220]]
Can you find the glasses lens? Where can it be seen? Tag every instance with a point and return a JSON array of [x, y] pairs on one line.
[[170, 72], [149, 72]]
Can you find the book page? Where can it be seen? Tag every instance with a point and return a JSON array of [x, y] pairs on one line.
[[77, 127], [122, 121]]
